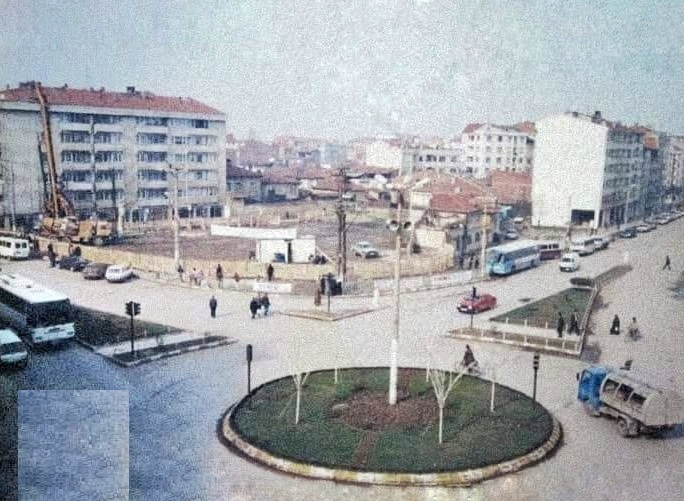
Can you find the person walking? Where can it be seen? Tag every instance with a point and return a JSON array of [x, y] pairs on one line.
[[52, 257], [219, 276], [633, 330], [254, 307], [615, 327], [180, 271], [560, 325], [574, 324], [265, 304], [212, 306], [269, 272], [667, 263]]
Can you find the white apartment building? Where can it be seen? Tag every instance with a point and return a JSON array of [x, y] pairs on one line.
[[587, 170], [488, 147], [113, 151], [387, 153], [673, 170], [438, 157]]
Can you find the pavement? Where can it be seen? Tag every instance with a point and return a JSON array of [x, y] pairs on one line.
[[189, 394]]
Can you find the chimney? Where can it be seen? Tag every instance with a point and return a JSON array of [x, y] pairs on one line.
[[597, 117], [130, 89]]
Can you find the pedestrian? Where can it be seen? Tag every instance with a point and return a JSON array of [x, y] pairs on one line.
[[219, 276], [574, 324], [180, 271], [199, 278], [254, 306], [615, 328], [477, 263], [269, 272], [265, 304], [470, 262], [560, 324], [193, 276], [212, 306], [52, 257], [667, 263]]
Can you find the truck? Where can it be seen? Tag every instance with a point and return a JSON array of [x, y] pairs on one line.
[[639, 406], [58, 218]]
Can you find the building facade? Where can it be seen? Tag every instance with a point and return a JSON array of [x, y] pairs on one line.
[[437, 156], [115, 153], [587, 170], [673, 170], [488, 147]]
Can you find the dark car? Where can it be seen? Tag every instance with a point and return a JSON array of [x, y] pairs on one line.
[[73, 263], [628, 233], [476, 304], [95, 271]]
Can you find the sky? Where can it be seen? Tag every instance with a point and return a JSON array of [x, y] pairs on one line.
[[346, 68]]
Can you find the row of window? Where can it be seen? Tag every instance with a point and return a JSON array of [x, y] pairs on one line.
[[499, 149], [162, 193], [86, 118], [86, 176], [624, 153], [76, 156], [498, 160], [620, 182], [621, 168], [152, 138], [198, 158], [87, 196], [499, 138]]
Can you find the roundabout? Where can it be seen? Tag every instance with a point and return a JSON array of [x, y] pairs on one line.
[[346, 430]]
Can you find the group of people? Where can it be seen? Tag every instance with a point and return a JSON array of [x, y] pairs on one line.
[[573, 324], [259, 302], [469, 262], [633, 331]]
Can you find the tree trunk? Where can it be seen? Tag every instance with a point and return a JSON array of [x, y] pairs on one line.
[[441, 414], [299, 395]]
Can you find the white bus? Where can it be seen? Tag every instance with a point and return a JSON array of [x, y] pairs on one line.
[[39, 313], [583, 246], [14, 248], [509, 258]]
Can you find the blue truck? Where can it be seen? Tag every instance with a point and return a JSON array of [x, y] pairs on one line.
[[637, 405]]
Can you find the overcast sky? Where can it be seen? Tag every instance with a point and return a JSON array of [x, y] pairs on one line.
[[349, 68]]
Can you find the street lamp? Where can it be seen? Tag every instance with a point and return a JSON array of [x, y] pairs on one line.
[[175, 223], [397, 226]]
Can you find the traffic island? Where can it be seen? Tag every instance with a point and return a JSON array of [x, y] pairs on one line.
[[347, 431], [329, 316]]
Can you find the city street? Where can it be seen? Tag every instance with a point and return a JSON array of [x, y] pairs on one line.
[[174, 452]]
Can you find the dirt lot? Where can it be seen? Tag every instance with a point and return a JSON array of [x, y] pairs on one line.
[[201, 245]]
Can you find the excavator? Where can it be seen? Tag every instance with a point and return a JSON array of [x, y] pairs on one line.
[[59, 217]]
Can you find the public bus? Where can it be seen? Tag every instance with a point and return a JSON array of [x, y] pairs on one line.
[[14, 248], [38, 313], [583, 246], [515, 256], [549, 249]]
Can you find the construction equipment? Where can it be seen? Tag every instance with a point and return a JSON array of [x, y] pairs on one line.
[[59, 218]]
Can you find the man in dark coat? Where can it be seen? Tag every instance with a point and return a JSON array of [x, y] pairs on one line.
[[212, 306], [254, 306], [269, 272], [574, 324], [615, 328], [560, 325]]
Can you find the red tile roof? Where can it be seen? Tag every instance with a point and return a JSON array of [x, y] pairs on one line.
[[449, 202], [471, 128], [134, 100]]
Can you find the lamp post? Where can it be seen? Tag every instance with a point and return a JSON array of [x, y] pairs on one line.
[[397, 226], [175, 223]]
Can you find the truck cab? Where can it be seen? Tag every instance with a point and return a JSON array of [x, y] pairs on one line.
[[589, 388]]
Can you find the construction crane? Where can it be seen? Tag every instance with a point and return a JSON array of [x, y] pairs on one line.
[[59, 217]]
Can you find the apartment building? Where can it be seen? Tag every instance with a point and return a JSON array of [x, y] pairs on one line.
[[437, 156], [114, 152], [673, 170], [587, 170], [488, 147]]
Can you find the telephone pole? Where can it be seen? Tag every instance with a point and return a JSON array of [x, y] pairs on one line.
[[341, 212]]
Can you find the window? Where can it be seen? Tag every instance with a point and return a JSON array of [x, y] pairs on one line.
[[143, 138], [77, 176], [76, 118], [108, 137], [108, 156], [151, 156], [74, 136], [75, 156], [442, 159], [152, 175], [500, 138], [152, 121], [106, 119]]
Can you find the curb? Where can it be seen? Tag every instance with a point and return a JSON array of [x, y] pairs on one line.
[[173, 353], [323, 316], [463, 478]]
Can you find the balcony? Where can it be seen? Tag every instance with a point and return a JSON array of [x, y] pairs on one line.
[[118, 127]]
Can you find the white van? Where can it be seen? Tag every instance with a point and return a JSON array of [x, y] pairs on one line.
[[569, 262], [12, 350], [14, 248], [583, 246]]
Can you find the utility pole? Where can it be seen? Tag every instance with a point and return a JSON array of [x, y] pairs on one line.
[[394, 348], [93, 165], [341, 212], [175, 222]]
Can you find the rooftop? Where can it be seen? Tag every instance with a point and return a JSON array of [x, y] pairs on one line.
[[100, 98]]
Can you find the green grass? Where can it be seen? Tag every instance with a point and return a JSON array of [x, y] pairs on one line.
[[546, 310], [473, 436], [98, 328]]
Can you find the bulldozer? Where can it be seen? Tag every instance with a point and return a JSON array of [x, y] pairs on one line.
[[59, 218]]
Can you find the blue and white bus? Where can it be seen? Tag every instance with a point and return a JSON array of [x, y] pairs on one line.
[[515, 256], [39, 313]]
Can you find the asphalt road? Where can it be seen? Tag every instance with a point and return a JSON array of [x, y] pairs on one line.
[[174, 404]]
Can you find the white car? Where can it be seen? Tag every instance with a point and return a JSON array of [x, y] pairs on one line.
[[118, 273], [12, 350], [365, 250], [569, 262]]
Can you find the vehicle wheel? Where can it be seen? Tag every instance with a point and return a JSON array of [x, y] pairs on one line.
[[627, 428]]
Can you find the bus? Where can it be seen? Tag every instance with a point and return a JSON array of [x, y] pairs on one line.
[[515, 256], [14, 248], [583, 246], [39, 313], [549, 249]]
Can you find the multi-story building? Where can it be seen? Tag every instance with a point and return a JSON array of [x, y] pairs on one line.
[[115, 152], [587, 170], [488, 147], [437, 156], [390, 154], [673, 170]]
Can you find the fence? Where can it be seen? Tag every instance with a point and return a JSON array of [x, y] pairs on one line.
[[536, 342]]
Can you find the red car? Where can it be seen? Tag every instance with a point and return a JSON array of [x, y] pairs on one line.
[[481, 302]]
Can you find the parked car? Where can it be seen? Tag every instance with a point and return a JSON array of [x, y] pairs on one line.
[[118, 273], [601, 242], [13, 351], [95, 271], [476, 304], [569, 262], [73, 263], [365, 250], [662, 219], [645, 227], [628, 233]]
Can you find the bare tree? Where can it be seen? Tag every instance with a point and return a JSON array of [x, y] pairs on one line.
[[299, 373], [299, 380], [442, 383]]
